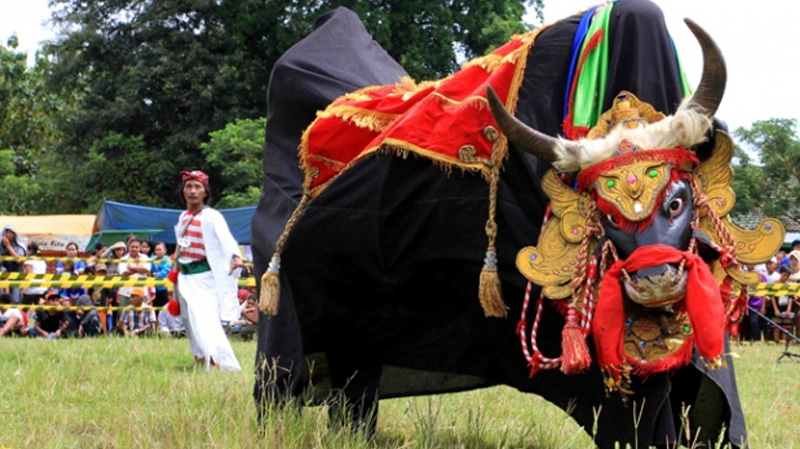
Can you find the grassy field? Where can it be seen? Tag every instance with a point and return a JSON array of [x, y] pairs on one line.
[[142, 393]]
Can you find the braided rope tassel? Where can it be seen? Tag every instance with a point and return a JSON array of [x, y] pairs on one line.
[[270, 293], [490, 291]]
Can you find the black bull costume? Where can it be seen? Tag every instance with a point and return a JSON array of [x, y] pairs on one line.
[[375, 290]]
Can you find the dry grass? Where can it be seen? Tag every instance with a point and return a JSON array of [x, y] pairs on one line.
[[132, 393]]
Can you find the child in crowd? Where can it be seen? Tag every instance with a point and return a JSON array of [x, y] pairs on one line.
[[50, 323], [145, 246], [159, 269], [247, 325]]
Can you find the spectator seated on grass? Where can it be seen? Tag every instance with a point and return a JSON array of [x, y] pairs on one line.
[[12, 321], [138, 322], [105, 297], [247, 325], [82, 323], [50, 323], [170, 325]]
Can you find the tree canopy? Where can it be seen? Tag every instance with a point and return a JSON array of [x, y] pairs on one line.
[[152, 79], [28, 131], [773, 187]]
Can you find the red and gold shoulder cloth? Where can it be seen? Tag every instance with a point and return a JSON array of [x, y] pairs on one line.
[[448, 120]]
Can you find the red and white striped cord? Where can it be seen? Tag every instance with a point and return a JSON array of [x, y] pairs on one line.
[[537, 361]]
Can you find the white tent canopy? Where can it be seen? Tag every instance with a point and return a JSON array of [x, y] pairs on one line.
[[52, 232]]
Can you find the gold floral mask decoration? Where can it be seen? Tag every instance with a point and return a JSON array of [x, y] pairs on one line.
[[633, 189], [632, 183]]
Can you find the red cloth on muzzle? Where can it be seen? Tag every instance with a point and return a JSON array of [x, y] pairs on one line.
[[703, 304]]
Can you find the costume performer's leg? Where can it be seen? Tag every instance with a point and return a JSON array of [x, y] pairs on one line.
[[200, 315]]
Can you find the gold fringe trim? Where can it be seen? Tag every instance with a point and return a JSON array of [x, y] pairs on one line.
[[357, 95], [490, 62], [401, 148], [330, 163], [362, 118], [476, 102]]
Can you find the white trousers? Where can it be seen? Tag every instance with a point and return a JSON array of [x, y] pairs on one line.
[[200, 315]]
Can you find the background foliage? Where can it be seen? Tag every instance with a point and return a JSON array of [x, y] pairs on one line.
[[131, 92], [771, 185]]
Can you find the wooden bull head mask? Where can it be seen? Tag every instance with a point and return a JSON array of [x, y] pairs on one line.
[[621, 249]]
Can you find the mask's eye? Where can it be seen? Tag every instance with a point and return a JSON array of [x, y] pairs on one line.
[[611, 220], [675, 206]]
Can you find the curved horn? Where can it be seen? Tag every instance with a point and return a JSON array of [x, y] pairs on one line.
[[521, 135], [712, 84]]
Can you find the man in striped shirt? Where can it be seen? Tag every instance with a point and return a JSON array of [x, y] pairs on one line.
[[138, 322], [208, 260]]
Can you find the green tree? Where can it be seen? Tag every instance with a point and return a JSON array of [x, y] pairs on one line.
[[748, 183], [172, 71], [235, 153], [774, 186], [424, 36], [18, 192], [28, 131]]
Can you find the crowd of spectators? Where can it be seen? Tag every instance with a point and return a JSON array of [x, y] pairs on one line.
[[131, 259], [782, 311]]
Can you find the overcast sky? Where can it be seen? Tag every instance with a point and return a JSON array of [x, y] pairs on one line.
[[758, 39]]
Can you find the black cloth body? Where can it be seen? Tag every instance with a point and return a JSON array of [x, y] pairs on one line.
[[380, 274]]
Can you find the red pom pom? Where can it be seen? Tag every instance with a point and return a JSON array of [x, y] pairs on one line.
[[174, 307], [173, 275]]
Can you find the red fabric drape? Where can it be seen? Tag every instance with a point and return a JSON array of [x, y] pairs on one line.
[[703, 304]]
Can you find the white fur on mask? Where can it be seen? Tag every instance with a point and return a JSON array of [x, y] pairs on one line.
[[686, 128]]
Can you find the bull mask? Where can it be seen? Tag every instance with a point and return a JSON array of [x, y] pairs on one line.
[[625, 167]]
